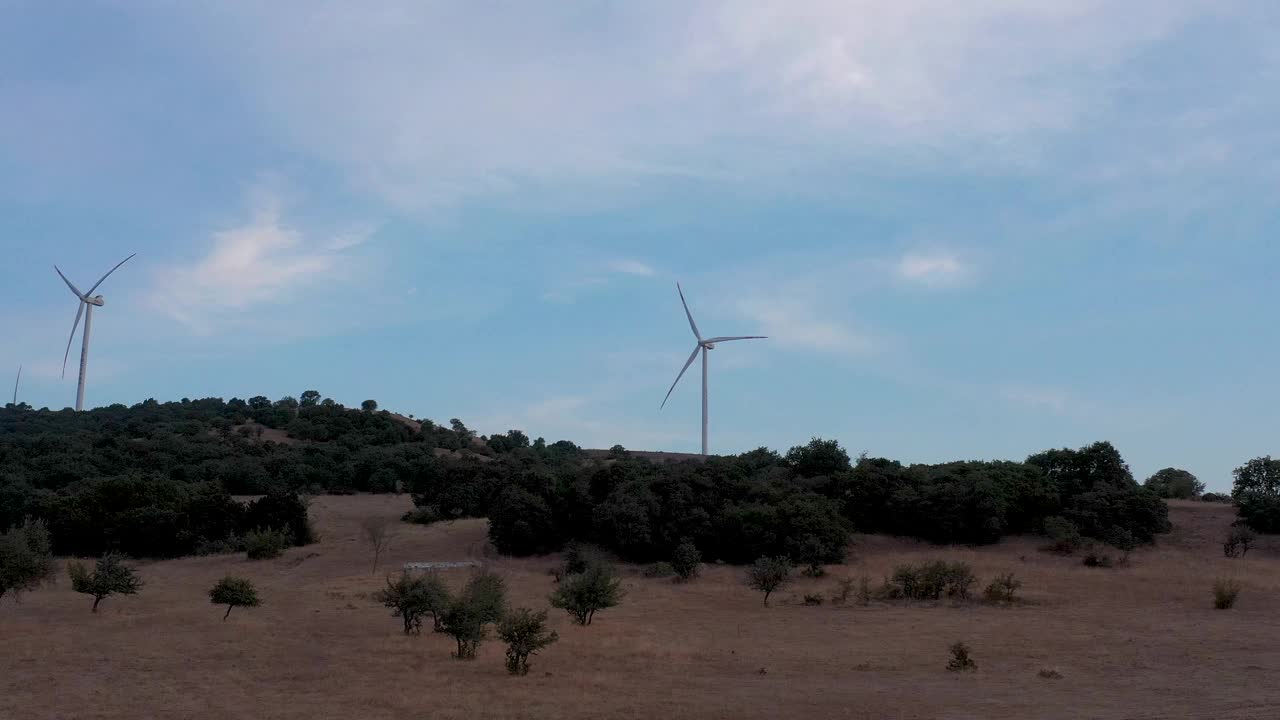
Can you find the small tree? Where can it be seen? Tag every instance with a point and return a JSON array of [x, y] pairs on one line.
[[525, 633], [26, 558], [411, 597], [1238, 541], [377, 532], [110, 576], [369, 405], [768, 574], [265, 544], [585, 593], [234, 591], [685, 560], [481, 603], [960, 660]]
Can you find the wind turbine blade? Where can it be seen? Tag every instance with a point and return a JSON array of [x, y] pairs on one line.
[[74, 289], [15, 386], [67, 354], [692, 324], [689, 362], [104, 277], [736, 337]]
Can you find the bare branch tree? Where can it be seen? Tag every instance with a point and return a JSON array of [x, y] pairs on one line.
[[377, 531]]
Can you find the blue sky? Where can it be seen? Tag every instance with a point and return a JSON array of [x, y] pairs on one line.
[[971, 230]]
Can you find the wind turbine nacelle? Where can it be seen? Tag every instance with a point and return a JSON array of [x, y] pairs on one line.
[[96, 300], [709, 346]]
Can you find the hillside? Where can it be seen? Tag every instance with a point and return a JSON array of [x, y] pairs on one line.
[[1140, 641]]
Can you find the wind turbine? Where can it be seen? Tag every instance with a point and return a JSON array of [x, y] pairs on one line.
[[87, 303], [15, 386], [703, 346]]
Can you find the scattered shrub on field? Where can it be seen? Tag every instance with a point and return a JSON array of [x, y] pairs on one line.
[[1225, 593], [579, 557], [585, 593], [525, 633], [265, 544], [685, 560], [481, 603], [1002, 589], [768, 574], [844, 589], [226, 546], [1096, 556], [26, 558], [1120, 539], [110, 576], [377, 533], [1216, 498], [411, 597], [960, 660], [814, 599], [1238, 541], [234, 592], [424, 515], [930, 581], [652, 570], [1050, 674], [1064, 536]]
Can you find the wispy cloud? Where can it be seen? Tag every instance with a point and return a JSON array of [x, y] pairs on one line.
[[264, 261], [1052, 399], [933, 269], [629, 266], [597, 275], [800, 324]]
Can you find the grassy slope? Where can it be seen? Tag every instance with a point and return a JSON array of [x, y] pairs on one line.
[[1137, 642]]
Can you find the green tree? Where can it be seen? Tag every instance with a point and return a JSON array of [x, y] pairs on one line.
[[110, 576], [234, 592], [819, 457], [583, 594], [1174, 483], [480, 604], [309, 398], [369, 405], [26, 558], [685, 560], [413, 596], [525, 633], [768, 574], [1260, 477]]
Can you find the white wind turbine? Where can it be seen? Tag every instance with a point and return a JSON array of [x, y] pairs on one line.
[[89, 301], [703, 346], [15, 386]]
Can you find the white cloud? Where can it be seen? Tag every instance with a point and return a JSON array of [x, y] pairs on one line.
[[1055, 400], [933, 269], [797, 323], [262, 262], [432, 103], [631, 267]]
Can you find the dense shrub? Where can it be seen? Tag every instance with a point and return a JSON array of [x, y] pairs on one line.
[[1064, 536], [1225, 593], [658, 570], [813, 599], [26, 558], [412, 597], [685, 560], [234, 592], [930, 581], [1096, 556], [584, 594], [1175, 484], [768, 574], [1002, 589], [110, 576], [525, 633], [960, 660], [265, 544], [1216, 498]]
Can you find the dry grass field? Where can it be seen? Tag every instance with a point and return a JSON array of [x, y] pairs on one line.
[[1141, 641]]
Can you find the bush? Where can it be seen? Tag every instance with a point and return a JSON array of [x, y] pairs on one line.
[[1120, 539], [265, 544], [284, 510], [1238, 541], [468, 616], [1049, 674], [411, 597], [1216, 498], [656, 570], [525, 633], [579, 557], [844, 589], [232, 592], [1225, 593], [110, 576], [225, 546], [422, 515], [1095, 556], [1064, 536], [960, 660], [583, 594], [26, 558], [930, 581], [769, 574], [685, 560], [864, 591], [815, 599], [1172, 483], [1002, 589]]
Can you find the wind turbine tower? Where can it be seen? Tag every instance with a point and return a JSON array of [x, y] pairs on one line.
[[702, 347], [86, 303]]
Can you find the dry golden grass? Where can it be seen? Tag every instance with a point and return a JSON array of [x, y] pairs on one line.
[[1141, 641]]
